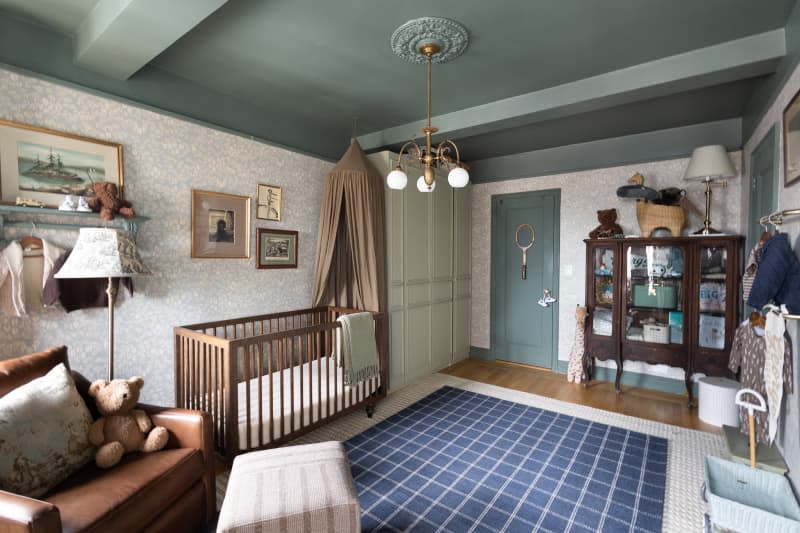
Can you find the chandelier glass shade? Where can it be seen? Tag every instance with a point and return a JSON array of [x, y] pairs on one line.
[[430, 157]]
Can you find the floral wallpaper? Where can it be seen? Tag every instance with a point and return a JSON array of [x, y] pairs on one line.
[[165, 158], [582, 194]]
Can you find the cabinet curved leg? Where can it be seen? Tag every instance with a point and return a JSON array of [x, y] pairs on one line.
[[619, 376], [586, 370], [689, 391]]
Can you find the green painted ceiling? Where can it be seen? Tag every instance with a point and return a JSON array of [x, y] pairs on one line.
[[295, 72]]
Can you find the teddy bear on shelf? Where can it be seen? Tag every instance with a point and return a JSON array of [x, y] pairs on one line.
[[575, 372], [122, 428], [608, 227], [108, 203]]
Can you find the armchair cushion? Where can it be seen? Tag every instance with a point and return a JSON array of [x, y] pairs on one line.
[[131, 495], [44, 434]]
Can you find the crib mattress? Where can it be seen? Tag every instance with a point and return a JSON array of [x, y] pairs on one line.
[[316, 404]]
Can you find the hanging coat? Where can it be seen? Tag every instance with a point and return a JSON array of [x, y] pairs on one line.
[[778, 276], [12, 276]]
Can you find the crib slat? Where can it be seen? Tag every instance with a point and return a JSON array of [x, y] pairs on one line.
[[319, 375], [271, 395], [339, 364], [310, 361], [300, 368], [291, 386], [260, 353], [280, 379]]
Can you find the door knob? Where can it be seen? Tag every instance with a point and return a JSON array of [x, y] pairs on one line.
[[547, 298]]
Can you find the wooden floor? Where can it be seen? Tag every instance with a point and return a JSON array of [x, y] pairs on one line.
[[643, 403]]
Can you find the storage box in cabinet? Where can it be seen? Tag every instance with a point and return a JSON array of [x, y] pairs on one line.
[[661, 296], [656, 333]]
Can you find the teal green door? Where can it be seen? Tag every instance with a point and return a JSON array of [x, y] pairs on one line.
[[763, 183], [523, 331]]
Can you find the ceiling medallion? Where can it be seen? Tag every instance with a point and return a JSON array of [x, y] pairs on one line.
[[450, 36], [429, 40]]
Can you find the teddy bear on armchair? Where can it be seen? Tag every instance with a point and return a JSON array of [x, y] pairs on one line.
[[122, 428]]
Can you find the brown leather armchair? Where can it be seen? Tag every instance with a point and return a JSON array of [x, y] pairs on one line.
[[170, 490]]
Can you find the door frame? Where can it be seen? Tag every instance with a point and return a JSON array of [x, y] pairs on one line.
[[752, 214], [494, 281]]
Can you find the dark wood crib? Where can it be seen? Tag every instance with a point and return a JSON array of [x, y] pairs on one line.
[[270, 378]]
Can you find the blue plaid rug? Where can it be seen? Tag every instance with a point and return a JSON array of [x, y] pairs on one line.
[[461, 461]]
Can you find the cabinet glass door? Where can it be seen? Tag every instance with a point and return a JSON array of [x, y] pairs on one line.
[[713, 297], [603, 316], [654, 287]]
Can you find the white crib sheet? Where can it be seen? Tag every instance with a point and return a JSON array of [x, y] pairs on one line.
[[309, 373]]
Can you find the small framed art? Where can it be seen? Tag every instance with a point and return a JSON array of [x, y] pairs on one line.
[[220, 225], [268, 202], [46, 165], [276, 248], [791, 141]]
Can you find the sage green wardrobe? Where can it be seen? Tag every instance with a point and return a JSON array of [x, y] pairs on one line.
[[428, 274]]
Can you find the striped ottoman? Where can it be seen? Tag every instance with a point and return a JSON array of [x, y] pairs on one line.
[[293, 489]]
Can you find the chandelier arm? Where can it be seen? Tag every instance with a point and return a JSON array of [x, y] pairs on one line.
[[440, 155], [403, 149]]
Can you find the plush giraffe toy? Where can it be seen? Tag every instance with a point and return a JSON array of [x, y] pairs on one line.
[[575, 369]]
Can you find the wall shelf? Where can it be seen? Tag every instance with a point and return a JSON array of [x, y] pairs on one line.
[[15, 216]]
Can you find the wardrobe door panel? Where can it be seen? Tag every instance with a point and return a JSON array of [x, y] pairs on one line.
[[441, 335], [442, 232], [418, 343], [461, 316], [417, 238], [397, 341]]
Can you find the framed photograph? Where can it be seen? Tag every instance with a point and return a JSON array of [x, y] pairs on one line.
[[268, 202], [791, 141], [46, 165], [220, 225], [276, 248]]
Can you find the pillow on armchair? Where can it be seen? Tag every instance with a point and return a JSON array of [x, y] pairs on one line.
[[44, 434]]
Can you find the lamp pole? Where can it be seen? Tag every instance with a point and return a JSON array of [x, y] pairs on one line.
[[111, 291]]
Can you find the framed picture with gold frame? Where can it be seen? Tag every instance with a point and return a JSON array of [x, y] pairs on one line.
[[268, 202], [791, 141], [276, 248], [45, 165], [220, 225]]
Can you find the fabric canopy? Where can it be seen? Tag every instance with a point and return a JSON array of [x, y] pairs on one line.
[[349, 271]]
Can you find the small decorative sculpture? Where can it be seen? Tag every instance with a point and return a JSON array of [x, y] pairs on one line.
[[575, 369]]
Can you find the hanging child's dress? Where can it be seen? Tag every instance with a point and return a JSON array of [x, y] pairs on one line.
[[748, 351]]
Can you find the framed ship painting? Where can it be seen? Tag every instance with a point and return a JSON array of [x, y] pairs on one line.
[[276, 248], [46, 165], [220, 225]]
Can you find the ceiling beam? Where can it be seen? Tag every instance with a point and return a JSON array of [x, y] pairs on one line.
[[658, 145], [118, 37], [748, 57]]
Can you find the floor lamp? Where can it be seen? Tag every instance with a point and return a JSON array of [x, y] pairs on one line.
[[104, 253], [709, 164]]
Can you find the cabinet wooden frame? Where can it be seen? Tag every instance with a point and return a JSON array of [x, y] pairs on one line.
[[688, 355]]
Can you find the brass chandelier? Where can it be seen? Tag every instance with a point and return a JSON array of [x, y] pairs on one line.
[[432, 39]]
